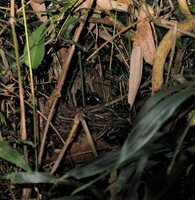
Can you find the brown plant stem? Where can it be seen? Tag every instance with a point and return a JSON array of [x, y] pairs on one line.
[[21, 90], [163, 51], [57, 91], [25, 192], [68, 141]]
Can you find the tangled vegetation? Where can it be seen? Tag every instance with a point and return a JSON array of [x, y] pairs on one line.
[[97, 99]]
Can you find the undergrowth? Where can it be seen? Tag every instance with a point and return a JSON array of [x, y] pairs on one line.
[[66, 128]]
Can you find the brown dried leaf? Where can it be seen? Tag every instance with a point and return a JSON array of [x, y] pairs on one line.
[[82, 151], [144, 37], [135, 75], [83, 4], [145, 40], [120, 5], [39, 9]]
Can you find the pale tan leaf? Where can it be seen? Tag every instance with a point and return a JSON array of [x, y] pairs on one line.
[[143, 47], [39, 10], [119, 5], [82, 4], [145, 11], [144, 37], [135, 75]]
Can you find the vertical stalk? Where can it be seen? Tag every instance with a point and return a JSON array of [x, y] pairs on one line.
[[34, 103], [21, 90], [81, 79]]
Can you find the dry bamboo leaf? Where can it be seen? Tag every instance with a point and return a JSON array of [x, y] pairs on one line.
[[81, 4], [39, 9], [120, 5], [145, 40], [143, 47], [135, 73], [144, 37]]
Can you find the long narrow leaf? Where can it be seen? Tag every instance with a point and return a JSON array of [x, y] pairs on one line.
[[30, 177], [159, 108], [164, 92], [101, 164], [12, 155], [145, 129]]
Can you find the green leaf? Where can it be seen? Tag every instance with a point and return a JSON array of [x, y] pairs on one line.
[[156, 111], [153, 101], [121, 182], [37, 47], [192, 9], [68, 25], [101, 164], [30, 177], [67, 5], [12, 155]]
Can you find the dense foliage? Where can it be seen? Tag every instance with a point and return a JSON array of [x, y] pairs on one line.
[[67, 130]]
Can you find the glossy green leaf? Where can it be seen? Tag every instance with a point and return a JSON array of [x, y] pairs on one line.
[[37, 47], [12, 155], [30, 177]]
